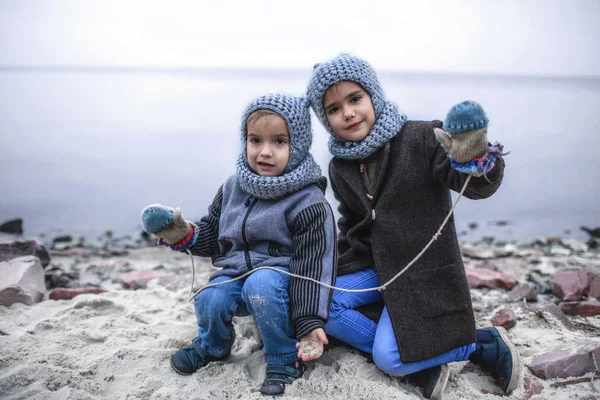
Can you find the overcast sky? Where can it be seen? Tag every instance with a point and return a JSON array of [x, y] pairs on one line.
[[551, 37]]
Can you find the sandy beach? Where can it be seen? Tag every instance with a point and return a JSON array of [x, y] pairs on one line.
[[117, 344]]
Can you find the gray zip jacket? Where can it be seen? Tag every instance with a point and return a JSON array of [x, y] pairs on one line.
[[242, 232]]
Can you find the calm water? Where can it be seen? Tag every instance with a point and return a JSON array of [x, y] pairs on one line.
[[85, 151]]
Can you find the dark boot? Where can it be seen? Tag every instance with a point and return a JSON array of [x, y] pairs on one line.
[[432, 380], [498, 355], [188, 360], [280, 375]]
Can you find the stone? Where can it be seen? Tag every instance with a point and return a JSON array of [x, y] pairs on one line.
[[595, 287], [505, 318], [10, 249], [477, 252], [532, 387], [14, 226], [572, 285], [583, 308], [22, 281], [68, 294], [481, 277], [571, 361]]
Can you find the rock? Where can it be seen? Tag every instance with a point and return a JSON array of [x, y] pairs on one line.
[[22, 281], [71, 251], [583, 308], [572, 285], [62, 239], [14, 226], [506, 251], [10, 249], [522, 291], [505, 318], [575, 360], [595, 233], [532, 387], [138, 279], [595, 287], [481, 277], [56, 277], [559, 251], [68, 294], [477, 252]]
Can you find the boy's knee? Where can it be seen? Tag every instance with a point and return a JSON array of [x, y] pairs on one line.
[[211, 299], [389, 361], [263, 283]]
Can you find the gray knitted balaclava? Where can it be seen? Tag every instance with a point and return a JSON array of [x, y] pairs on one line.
[[301, 169], [388, 118]]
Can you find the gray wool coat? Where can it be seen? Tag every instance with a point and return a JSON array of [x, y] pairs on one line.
[[430, 305]]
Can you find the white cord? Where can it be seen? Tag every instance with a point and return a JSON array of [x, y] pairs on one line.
[[379, 288]]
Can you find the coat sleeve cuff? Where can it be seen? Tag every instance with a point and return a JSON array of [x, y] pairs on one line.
[[306, 325]]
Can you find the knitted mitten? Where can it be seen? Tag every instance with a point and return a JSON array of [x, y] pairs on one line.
[[464, 137], [168, 224]]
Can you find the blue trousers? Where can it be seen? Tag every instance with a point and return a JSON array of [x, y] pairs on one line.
[[263, 294], [352, 327]]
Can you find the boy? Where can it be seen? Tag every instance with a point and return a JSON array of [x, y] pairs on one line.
[[272, 212]]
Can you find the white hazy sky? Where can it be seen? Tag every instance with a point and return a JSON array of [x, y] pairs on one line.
[[515, 37]]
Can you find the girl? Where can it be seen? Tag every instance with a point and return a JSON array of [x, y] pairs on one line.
[[392, 180]]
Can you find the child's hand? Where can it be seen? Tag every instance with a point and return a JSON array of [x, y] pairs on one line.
[[464, 147], [464, 136], [166, 223], [310, 346]]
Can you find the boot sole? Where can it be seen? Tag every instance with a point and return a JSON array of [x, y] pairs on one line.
[[441, 383], [516, 360]]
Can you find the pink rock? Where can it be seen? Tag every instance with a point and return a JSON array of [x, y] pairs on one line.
[[10, 249], [481, 277], [532, 387], [595, 287], [583, 308], [22, 281], [73, 251], [575, 360], [571, 285], [139, 279], [68, 294], [505, 318]]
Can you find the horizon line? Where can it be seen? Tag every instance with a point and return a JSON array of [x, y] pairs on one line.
[[58, 68]]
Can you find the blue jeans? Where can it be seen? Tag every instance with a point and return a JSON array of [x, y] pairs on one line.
[[350, 326], [264, 294]]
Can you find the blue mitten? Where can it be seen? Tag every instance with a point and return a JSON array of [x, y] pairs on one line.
[[166, 223], [464, 137]]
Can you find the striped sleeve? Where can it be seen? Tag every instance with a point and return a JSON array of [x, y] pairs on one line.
[[314, 256], [207, 242]]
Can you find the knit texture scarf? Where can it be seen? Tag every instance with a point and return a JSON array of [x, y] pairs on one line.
[[273, 187], [388, 124]]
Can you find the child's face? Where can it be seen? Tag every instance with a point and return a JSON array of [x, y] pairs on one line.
[[349, 110], [267, 145]]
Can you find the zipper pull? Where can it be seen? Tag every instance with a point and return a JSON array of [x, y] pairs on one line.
[[247, 202], [362, 168], [373, 214]]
